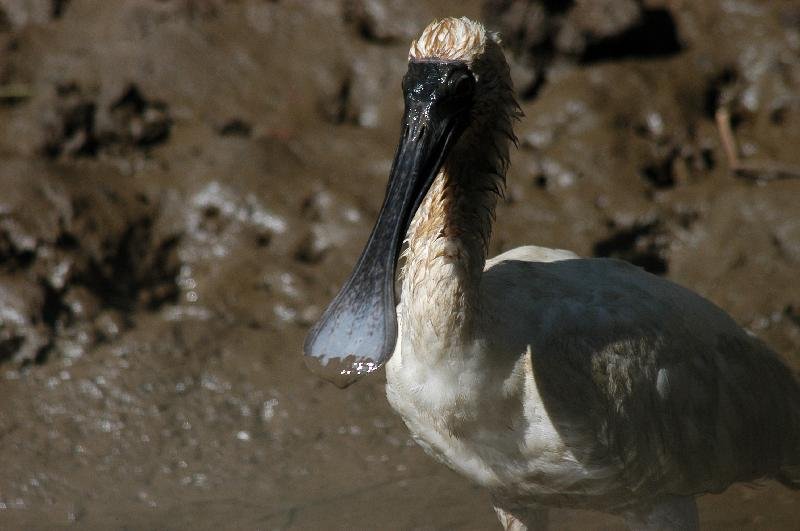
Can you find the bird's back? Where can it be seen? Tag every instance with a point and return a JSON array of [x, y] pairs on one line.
[[649, 384]]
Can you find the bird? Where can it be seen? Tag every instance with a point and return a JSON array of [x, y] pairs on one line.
[[549, 379]]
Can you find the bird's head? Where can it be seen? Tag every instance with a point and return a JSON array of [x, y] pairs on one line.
[[463, 48], [459, 105]]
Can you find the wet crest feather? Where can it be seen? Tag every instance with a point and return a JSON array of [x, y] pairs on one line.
[[451, 39]]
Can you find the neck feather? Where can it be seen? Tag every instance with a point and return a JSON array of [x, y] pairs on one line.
[[449, 234], [446, 249]]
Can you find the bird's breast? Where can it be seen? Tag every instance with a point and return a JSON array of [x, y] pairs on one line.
[[483, 421], [436, 407]]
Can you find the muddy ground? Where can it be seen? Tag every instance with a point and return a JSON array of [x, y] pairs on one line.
[[185, 183]]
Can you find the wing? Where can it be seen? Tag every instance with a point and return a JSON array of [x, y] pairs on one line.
[[643, 376]]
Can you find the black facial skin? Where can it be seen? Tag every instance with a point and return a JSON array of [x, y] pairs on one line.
[[358, 331]]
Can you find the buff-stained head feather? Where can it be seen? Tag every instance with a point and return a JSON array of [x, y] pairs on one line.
[[451, 39]]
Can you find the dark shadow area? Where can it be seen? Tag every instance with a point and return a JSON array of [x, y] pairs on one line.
[[660, 173], [58, 7], [656, 35], [640, 244]]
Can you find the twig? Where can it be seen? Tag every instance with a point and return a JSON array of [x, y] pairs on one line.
[[750, 169]]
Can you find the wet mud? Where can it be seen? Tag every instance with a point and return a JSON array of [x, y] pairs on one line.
[[185, 183]]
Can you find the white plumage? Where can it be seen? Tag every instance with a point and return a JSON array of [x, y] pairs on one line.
[[549, 379], [555, 380]]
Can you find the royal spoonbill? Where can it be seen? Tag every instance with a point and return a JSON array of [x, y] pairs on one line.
[[549, 379]]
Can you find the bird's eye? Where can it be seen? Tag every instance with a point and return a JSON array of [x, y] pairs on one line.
[[462, 86]]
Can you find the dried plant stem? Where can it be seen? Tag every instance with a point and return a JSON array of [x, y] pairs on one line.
[[750, 169]]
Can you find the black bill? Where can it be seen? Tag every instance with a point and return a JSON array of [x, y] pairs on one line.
[[357, 333]]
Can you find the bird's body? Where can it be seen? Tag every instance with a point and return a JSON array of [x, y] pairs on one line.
[[588, 383], [546, 378]]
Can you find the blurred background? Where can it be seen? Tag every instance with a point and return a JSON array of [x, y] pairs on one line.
[[184, 184]]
